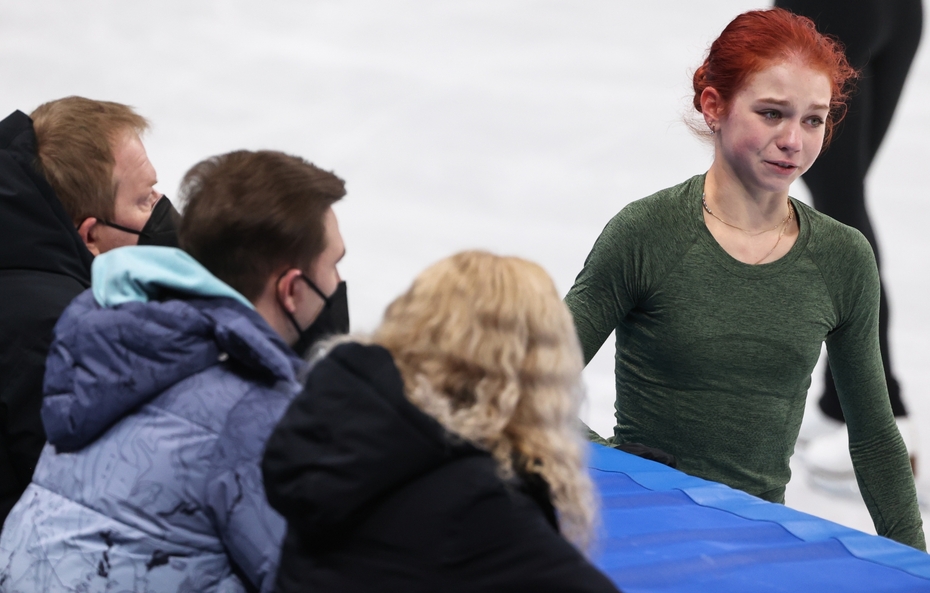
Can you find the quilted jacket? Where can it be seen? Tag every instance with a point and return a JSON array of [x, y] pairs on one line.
[[161, 388]]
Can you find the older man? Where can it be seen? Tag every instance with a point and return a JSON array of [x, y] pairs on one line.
[[75, 182]]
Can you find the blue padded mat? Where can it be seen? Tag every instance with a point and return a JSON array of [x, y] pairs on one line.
[[665, 531]]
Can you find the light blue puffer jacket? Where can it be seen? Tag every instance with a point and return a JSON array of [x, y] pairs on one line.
[[161, 388]]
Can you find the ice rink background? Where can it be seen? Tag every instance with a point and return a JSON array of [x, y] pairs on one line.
[[516, 126]]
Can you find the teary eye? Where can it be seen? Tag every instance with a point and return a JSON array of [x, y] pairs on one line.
[[815, 121]]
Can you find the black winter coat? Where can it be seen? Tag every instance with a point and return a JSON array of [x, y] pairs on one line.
[[379, 497], [43, 265]]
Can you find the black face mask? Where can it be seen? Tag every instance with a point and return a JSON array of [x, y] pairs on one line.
[[333, 319], [161, 229]]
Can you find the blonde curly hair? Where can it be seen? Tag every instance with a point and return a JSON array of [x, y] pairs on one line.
[[486, 346]]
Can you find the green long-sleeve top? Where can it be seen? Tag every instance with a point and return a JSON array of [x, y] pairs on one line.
[[714, 357]]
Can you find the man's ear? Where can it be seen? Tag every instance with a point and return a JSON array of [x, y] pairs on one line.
[[88, 232], [284, 287]]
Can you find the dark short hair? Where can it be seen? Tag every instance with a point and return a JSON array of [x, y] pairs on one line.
[[249, 215], [75, 138]]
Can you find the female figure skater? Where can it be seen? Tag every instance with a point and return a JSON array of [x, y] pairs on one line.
[[880, 38], [443, 454], [723, 288]]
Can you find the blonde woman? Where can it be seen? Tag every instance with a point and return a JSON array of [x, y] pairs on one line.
[[442, 453]]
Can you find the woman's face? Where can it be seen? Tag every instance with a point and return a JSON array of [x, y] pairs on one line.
[[773, 130]]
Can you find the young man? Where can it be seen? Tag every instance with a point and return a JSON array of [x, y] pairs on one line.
[[165, 380], [71, 177]]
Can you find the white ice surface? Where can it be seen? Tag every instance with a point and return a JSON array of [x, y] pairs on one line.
[[517, 126]]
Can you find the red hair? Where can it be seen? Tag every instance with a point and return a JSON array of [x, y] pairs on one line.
[[757, 39]]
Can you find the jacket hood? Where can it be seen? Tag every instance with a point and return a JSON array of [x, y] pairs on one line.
[[37, 232], [350, 437], [143, 273], [161, 317]]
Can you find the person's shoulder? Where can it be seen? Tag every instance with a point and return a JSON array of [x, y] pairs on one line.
[[508, 536], [482, 499], [463, 495], [832, 241], [243, 383], [259, 408], [245, 338], [229, 401], [653, 230], [844, 258], [31, 301], [664, 207]]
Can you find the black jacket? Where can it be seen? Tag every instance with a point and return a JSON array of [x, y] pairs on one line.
[[379, 497], [43, 265]]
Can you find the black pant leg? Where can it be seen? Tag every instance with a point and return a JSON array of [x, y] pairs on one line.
[[881, 37]]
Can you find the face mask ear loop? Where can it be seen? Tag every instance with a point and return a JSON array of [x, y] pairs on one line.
[[118, 227], [316, 289]]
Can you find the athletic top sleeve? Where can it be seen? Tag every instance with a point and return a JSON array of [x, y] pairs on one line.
[[879, 456]]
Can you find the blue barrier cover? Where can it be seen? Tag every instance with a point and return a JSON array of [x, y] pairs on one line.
[[663, 530]]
